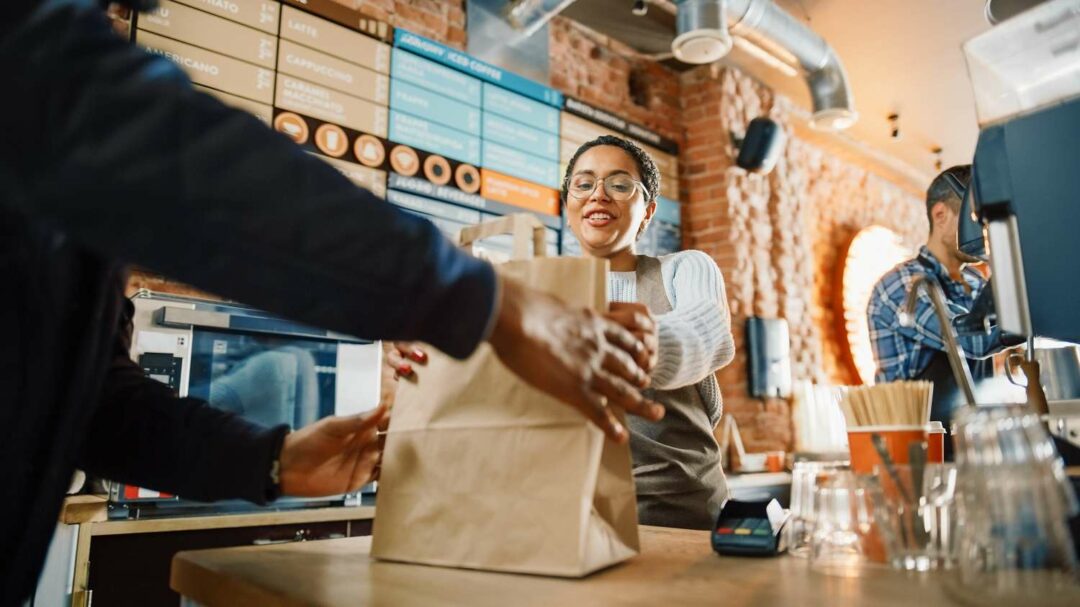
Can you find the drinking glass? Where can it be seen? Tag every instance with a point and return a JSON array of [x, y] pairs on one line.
[[804, 478], [1012, 536], [937, 508], [841, 526]]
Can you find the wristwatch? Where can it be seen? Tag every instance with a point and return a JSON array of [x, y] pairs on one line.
[[273, 486]]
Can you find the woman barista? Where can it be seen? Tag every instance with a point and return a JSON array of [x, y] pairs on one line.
[[610, 193]]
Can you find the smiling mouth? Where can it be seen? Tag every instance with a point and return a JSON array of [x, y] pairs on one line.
[[598, 219]]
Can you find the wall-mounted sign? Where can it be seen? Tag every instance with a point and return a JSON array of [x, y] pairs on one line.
[[458, 60], [521, 137], [450, 83], [261, 111], [213, 69], [300, 61], [498, 100], [520, 164], [212, 33], [260, 14], [440, 139], [621, 125], [338, 12], [334, 39], [509, 190], [427, 104], [332, 106]]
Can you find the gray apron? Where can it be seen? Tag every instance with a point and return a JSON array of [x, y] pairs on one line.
[[676, 461]]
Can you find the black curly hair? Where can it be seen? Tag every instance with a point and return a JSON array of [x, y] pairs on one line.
[[650, 175]]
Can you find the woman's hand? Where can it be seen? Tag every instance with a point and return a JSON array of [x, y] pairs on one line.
[[333, 456], [401, 355], [638, 320], [581, 358]]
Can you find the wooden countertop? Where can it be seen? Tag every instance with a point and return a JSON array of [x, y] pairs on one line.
[[676, 567], [230, 521]]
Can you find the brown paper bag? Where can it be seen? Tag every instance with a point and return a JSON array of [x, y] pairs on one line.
[[482, 471]]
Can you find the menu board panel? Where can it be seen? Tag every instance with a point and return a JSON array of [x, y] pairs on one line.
[[437, 138], [429, 105], [329, 105], [519, 164], [212, 69], [260, 14], [320, 68], [261, 111], [509, 190], [209, 32], [435, 208], [372, 180], [334, 39], [432, 76], [521, 137], [520, 108]]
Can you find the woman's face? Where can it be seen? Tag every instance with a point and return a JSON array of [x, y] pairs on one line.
[[605, 226]]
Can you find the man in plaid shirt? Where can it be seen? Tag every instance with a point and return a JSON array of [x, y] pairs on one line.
[[918, 352]]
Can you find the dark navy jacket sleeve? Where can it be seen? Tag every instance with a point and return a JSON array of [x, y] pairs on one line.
[[143, 434], [115, 148]]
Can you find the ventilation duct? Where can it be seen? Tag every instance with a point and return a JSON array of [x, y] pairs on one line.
[[705, 28], [528, 16], [703, 32]]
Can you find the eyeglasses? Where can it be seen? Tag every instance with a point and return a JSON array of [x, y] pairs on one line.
[[620, 187]]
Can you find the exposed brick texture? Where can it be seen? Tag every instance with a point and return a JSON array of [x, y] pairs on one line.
[[777, 238]]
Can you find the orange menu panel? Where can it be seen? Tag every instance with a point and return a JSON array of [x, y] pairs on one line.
[[511, 190]]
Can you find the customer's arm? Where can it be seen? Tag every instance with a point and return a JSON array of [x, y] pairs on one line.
[[695, 337], [143, 434], [116, 149]]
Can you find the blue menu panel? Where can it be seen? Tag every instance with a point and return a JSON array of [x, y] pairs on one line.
[[520, 137], [432, 76], [432, 137], [511, 105], [404, 39], [668, 211], [519, 164], [427, 104]]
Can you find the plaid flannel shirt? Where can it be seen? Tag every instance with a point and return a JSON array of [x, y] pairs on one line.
[[904, 352]]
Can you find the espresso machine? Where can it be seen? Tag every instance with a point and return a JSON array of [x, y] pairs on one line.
[[1024, 203]]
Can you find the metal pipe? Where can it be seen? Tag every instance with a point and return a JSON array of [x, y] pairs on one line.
[[957, 360], [528, 16], [769, 26]]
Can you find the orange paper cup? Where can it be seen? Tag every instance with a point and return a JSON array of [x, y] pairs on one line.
[[935, 443], [897, 438]]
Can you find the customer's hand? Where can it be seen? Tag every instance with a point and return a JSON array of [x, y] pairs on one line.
[[575, 355], [638, 320], [332, 456]]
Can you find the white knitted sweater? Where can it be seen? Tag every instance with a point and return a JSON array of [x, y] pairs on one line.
[[695, 337]]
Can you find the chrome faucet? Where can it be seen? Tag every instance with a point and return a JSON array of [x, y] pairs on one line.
[[957, 360]]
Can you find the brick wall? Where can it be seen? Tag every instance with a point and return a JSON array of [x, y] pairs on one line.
[[777, 238]]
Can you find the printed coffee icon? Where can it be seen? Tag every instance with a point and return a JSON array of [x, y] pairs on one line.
[[437, 170], [404, 161], [467, 178], [369, 151], [331, 140], [293, 126]]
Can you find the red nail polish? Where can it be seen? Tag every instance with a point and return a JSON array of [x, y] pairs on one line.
[[418, 356], [405, 370]]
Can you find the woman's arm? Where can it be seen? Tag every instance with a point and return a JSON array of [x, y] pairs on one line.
[[695, 337]]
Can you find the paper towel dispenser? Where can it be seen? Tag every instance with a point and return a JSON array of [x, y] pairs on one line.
[[769, 352]]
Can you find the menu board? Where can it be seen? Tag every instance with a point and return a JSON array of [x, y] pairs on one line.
[[433, 130]]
